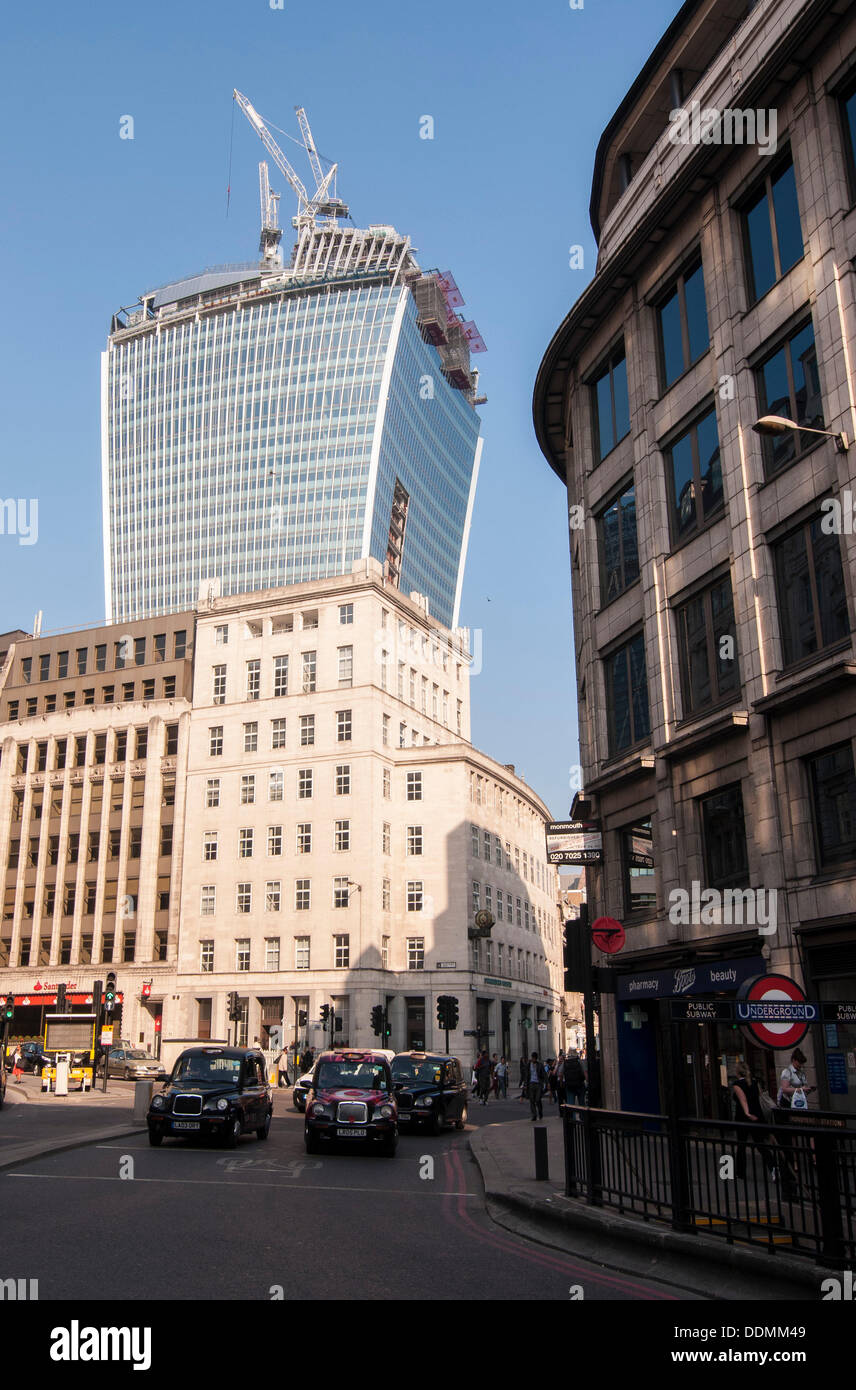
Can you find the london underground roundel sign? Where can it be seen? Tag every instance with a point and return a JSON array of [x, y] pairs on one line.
[[773, 1011]]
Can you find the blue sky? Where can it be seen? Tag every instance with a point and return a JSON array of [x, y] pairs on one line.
[[519, 94]]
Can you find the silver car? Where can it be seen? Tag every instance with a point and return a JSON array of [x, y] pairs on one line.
[[133, 1064]]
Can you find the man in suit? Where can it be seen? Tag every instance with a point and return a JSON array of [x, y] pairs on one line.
[[536, 1080]]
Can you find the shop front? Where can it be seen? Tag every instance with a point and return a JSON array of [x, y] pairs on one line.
[[706, 1053]]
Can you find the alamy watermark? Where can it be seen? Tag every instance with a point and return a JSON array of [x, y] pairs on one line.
[[708, 125], [708, 907], [15, 521]]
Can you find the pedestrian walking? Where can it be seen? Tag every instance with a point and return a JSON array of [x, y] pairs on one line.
[[282, 1077], [307, 1061], [524, 1077], [500, 1076], [536, 1082], [494, 1080], [749, 1111], [483, 1075], [792, 1095], [17, 1066], [574, 1078]]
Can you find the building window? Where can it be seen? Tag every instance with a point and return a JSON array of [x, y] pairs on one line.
[[244, 897], [221, 635], [219, 687], [387, 784], [304, 783], [277, 737], [384, 670], [206, 957], [208, 900], [789, 385], [245, 843], [212, 792], [499, 904], [180, 645], [209, 846], [386, 896], [833, 790], [386, 838], [341, 951], [307, 730], [346, 613], [346, 665], [476, 895], [637, 862], [707, 641], [414, 895], [694, 476], [627, 695], [682, 325], [276, 784], [343, 726], [487, 839], [772, 231], [274, 840], [280, 675], [416, 953], [142, 743], [414, 786], [304, 837], [242, 955], [619, 555], [82, 657], [254, 679], [475, 841], [611, 405], [848, 118], [215, 741], [309, 672], [810, 590], [302, 894], [384, 953], [301, 952], [251, 738], [273, 896], [724, 838], [342, 835], [384, 730], [248, 789], [343, 779], [271, 953], [414, 839]]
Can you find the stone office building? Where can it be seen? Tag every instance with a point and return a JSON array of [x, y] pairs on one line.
[[713, 592], [341, 832]]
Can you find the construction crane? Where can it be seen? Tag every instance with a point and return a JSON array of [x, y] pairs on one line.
[[320, 204], [271, 230]]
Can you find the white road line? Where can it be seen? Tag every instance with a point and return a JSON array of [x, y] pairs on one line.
[[214, 1182]]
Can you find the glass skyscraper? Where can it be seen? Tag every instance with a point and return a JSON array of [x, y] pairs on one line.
[[262, 428]]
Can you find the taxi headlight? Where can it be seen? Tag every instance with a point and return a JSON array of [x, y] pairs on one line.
[[158, 1102], [425, 1100], [222, 1103], [384, 1112]]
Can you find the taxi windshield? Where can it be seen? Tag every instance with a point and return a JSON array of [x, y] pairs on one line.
[[138, 1056], [351, 1075], [210, 1070], [410, 1070]]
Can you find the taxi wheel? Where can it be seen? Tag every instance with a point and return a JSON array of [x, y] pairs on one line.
[[310, 1143], [461, 1123], [233, 1133], [439, 1121], [265, 1129], [155, 1136]]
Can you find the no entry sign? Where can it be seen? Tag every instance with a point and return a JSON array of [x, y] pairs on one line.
[[607, 934], [773, 1011]]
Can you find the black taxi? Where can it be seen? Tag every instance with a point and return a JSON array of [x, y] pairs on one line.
[[351, 1100], [430, 1090], [214, 1092]]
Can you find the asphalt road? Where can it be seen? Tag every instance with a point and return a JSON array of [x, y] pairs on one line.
[[188, 1221]]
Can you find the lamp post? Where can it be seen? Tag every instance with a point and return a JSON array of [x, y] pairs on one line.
[[359, 888], [780, 424]]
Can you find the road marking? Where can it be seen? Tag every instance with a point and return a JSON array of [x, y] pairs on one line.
[[214, 1182]]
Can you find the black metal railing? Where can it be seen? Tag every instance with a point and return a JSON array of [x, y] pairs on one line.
[[788, 1186]]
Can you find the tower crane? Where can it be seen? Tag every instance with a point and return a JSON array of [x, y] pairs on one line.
[[309, 208], [271, 230]]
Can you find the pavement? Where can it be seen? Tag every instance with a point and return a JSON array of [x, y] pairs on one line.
[[33, 1123], [505, 1154]]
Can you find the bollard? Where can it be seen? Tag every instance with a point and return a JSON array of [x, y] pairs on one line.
[[542, 1162], [46, 1082], [142, 1100]]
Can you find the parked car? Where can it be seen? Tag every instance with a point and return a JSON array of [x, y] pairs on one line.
[[430, 1090], [351, 1100], [134, 1064], [214, 1092], [299, 1090], [33, 1056]]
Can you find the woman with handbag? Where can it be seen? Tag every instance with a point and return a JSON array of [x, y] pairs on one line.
[[792, 1095], [748, 1110]]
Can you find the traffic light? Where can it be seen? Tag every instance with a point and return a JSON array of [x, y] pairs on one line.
[[377, 1019], [9, 1010], [453, 1012], [234, 1007], [60, 999], [302, 1017], [325, 1013], [447, 1011], [441, 1011], [110, 992]]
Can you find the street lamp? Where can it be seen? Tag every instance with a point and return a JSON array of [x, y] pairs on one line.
[[359, 888], [779, 424]]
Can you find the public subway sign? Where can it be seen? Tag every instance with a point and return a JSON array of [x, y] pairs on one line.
[[773, 1011], [575, 842]]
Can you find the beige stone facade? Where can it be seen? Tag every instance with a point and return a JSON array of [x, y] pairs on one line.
[[740, 775]]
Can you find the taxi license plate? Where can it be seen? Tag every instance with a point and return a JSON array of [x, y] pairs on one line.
[[402, 1118], [185, 1124], [350, 1133]]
